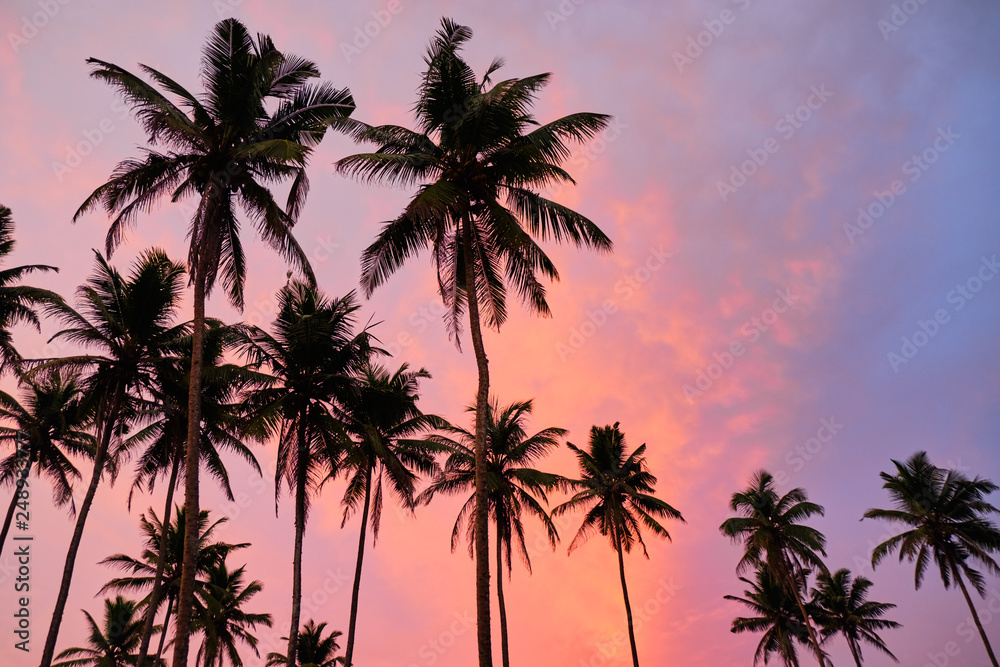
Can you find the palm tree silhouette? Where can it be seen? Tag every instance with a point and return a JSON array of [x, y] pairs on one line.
[[312, 355], [773, 539], [17, 302], [616, 489], [314, 649], [513, 486], [111, 644], [54, 418], [220, 616], [478, 157], [946, 518], [127, 323], [777, 616], [382, 417], [841, 605]]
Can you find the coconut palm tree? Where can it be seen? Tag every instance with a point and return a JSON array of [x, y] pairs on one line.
[[111, 644], [382, 417], [478, 157], [17, 302], [161, 559], [946, 519], [616, 489], [773, 538], [127, 324], [513, 486], [162, 439], [220, 616], [254, 126], [312, 355], [54, 419], [841, 605], [314, 649], [777, 616]]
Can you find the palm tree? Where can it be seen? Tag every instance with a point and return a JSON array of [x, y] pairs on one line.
[[842, 605], [773, 539], [946, 517], [382, 416], [112, 644], [54, 419], [128, 324], [161, 559], [224, 148], [617, 490], [478, 157], [314, 650], [512, 485], [220, 616], [312, 356], [17, 302], [163, 437], [777, 616]]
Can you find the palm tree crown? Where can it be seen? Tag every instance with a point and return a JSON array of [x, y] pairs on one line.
[[841, 605], [17, 302], [314, 649], [616, 488], [777, 616], [112, 644], [477, 156], [946, 517]]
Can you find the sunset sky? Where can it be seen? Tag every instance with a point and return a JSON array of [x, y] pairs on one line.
[[803, 199]]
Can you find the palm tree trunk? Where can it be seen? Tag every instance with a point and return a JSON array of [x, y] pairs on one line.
[[301, 461], [100, 457], [482, 545], [855, 651], [975, 616], [185, 599], [349, 651], [163, 633], [504, 650], [13, 500], [157, 592], [790, 576], [628, 607]]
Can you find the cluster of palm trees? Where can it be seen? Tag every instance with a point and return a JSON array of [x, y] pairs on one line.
[[177, 396], [947, 521], [477, 159]]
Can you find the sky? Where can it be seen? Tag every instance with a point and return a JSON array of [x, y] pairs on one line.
[[803, 202]]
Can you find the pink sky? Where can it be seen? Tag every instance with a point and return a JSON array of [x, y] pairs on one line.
[[696, 268]]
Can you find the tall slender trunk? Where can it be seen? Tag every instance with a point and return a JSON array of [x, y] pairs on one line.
[[157, 593], [13, 500], [504, 650], [855, 651], [975, 616], [163, 633], [349, 651], [791, 576], [301, 461], [628, 607], [185, 598], [482, 544], [100, 457]]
